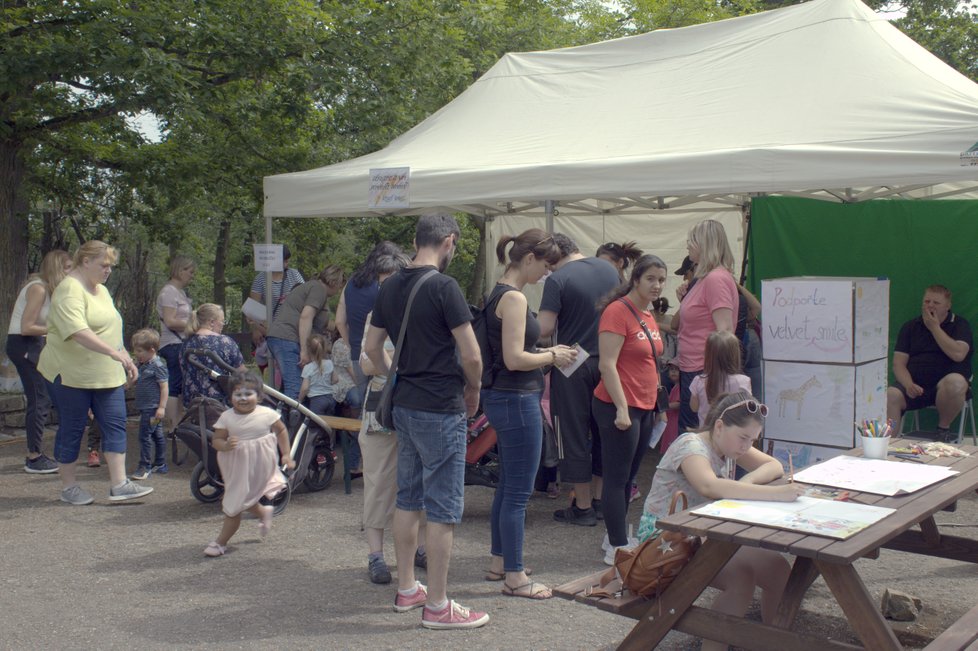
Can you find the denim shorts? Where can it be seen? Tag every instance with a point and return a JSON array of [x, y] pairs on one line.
[[109, 408], [431, 463]]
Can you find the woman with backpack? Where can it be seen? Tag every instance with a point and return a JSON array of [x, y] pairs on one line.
[[512, 385]]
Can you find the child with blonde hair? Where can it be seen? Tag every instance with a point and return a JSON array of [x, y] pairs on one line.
[[721, 373], [245, 437], [317, 376]]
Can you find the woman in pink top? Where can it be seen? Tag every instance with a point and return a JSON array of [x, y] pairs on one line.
[[709, 304]]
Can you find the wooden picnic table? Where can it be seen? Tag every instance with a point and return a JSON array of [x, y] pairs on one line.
[[910, 529]]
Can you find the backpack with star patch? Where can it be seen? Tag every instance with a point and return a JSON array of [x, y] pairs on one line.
[[649, 568]]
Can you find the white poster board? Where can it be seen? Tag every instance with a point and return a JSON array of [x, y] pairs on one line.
[[268, 257], [825, 319], [389, 188], [818, 404], [802, 455]]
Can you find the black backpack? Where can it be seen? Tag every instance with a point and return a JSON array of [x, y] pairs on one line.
[[491, 362]]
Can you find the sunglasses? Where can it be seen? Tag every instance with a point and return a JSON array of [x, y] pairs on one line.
[[752, 406]]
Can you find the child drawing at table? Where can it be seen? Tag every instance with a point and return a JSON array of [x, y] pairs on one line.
[[721, 373], [245, 438], [702, 464]]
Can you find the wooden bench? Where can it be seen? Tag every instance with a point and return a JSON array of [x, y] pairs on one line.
[[343, 426], [961, 636], [579, 590]]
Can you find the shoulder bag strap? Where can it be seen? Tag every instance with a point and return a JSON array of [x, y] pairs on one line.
[[404, 321], [648, 334]]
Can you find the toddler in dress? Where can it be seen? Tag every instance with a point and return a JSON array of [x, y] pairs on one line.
[[245, 437]]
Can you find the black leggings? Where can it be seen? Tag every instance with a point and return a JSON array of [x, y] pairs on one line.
[[621, 452]]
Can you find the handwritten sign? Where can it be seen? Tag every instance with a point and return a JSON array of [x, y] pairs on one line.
[[389, 188], [820, 319], [268, 257]]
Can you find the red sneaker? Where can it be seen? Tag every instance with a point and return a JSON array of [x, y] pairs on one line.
[[93, 460], [453, 615], [403, 604]]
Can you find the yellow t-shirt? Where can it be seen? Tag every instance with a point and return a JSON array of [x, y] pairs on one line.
[[73, 309]]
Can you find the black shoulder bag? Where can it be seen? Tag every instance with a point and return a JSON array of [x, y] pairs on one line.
[[385, 405], [661, 395]]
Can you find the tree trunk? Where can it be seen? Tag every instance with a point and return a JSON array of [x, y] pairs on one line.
[[477, 285], [221, 262], [13, 232]]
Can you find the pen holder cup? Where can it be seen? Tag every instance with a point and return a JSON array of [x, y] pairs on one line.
[[874, 447]]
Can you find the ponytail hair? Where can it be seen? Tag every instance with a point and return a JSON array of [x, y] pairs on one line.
[[623, 254], [206, 313], [644, 263], [721, 360], [535, 242], [317, 349]]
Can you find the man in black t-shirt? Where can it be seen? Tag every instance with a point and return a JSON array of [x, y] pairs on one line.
[[436, 388], [932, 362], [568, 310]]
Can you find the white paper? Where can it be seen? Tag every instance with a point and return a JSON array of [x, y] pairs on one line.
[[806, 514], [254, 310], [581, 356], [268, 257], [873, 476]]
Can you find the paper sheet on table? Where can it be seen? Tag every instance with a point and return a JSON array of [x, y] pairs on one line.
[[254, 310], [873, 476], [581, 356], [806, 514]]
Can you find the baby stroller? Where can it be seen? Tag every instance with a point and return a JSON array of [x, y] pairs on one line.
[[310, 437], [481, 457]]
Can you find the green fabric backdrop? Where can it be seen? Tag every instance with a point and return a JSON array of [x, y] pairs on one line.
[[913, 243]]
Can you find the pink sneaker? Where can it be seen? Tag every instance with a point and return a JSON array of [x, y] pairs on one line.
[[403, 604], [453, 615]]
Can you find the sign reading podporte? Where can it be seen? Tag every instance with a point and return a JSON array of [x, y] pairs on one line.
[[389, 188]]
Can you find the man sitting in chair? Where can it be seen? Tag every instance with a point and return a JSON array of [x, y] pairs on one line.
[[932, 362]]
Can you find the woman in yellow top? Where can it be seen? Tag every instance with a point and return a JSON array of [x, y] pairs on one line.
[[86, 366]]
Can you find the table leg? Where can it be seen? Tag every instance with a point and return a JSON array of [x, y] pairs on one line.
[[858, 605], [803, 574], [663, 613]]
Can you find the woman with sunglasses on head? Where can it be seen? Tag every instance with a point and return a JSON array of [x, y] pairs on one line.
[[702, 465]]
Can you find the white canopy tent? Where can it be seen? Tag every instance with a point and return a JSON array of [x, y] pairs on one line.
[[823, 99]]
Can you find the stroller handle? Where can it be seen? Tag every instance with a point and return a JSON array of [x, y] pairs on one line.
[[191, 355]]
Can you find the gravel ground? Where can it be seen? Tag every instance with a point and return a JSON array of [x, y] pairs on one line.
[[132, 575]]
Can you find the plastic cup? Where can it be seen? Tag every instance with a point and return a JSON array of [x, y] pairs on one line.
[[875, 447]]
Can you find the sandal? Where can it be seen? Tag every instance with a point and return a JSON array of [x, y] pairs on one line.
[[492, 575], [529, 593], [213, 549]]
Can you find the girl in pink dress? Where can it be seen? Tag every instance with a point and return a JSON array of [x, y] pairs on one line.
[[245, 437]]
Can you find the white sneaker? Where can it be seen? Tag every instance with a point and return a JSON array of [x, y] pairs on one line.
[[609, 556]]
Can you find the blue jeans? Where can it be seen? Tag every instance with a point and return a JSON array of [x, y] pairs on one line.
[[518, 422], [171, 355], [150, 436], [286, 355], [431, 463], [23, 352], [109, 408]]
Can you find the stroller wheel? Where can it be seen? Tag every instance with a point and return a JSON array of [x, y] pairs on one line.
[[319, 473], [203, 487], [280, 501]]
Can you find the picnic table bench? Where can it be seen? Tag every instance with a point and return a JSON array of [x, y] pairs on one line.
[[911, 528]]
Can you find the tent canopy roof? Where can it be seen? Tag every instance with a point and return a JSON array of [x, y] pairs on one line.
[[820, 95]]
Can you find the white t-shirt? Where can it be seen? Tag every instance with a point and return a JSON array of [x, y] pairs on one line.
[[319, 376], [21, 304], [248, 426], [171, 296]]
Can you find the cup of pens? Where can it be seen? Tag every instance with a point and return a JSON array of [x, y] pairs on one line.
[[875, 437]]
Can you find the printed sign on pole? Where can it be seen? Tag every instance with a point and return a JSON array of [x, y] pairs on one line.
[[389, 188], [268, 257]]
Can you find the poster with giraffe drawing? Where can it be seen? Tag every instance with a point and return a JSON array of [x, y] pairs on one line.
[[817, 404]]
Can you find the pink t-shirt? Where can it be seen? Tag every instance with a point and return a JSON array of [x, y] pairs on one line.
[[697, 387], [714, 291]]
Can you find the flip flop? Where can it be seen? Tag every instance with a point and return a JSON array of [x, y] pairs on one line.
[[537, 595], [492, 575]]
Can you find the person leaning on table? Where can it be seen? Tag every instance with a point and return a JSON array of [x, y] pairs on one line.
[[86, 366]]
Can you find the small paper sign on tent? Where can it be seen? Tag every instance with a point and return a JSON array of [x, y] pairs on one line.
[[268, 257], [389, 188]]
